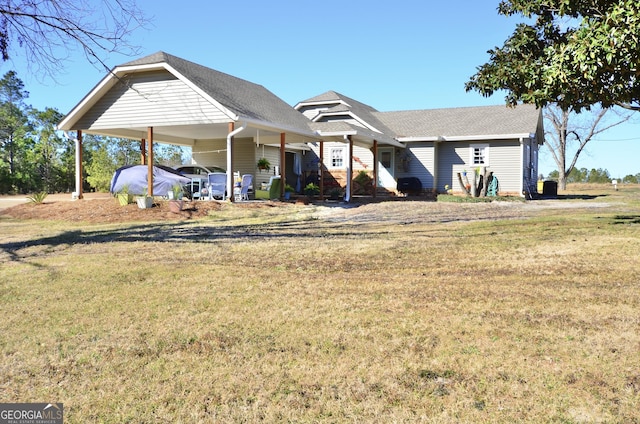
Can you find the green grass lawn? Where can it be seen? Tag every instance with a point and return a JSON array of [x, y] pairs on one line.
[[291, 315]]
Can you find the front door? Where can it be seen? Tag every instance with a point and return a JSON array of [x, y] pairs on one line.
[[385, 168]]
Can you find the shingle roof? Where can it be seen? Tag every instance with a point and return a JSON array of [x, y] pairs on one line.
[[343, 103], [244, 98], [462, 121]]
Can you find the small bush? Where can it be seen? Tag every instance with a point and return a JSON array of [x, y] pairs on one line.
[[37, 198]]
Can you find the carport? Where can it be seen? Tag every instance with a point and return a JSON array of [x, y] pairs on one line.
[[161, 98]]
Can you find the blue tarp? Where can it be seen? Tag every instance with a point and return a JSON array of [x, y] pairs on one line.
[[135, 178]]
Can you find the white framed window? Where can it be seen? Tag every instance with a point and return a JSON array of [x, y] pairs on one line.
[[336, 157], [479, 155]]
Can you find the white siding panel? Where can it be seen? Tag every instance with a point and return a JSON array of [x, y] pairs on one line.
[[505, 163], [453, 158], [151, 99], [421, 165]]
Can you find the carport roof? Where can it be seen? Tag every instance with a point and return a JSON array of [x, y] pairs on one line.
[[241, 100]]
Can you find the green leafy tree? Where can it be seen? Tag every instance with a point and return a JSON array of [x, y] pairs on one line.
[[13, 119], [100, 169], [599, 176], [573, 53], [47, 151], [578, 175], [631, 179]]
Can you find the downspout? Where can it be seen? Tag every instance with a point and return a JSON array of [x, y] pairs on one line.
[[229, 156], [347, 194]]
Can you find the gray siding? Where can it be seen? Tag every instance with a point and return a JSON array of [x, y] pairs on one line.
[[504, 162], [506, 166], [245, 156], [150, 99], [421, 165]]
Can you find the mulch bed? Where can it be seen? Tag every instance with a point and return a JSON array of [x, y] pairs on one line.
[[108, 210]]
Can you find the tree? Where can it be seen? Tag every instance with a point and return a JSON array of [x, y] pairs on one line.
[[573, 53], [12, 116], [48, 30], [569, 133], [47, 152]]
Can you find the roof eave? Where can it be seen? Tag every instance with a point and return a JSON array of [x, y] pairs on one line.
[[115, 75], [480, 137]]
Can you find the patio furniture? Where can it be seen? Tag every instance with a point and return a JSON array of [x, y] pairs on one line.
[[242, 192], [271, 189], [217, 183]]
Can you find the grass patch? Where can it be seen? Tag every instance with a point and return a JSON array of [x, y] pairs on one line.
[[470, 199], [307, 316]]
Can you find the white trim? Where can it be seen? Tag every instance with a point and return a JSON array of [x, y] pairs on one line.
[[320, 103], [485, 154], [484, 137], [341, 149], [414, 139]]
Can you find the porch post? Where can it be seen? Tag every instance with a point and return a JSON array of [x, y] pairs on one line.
[[282, 164], [150, 164], [143, 152], [375, 168], [321, 168], [79, 171], [347, 197]]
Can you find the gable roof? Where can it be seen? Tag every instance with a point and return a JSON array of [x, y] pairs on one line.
[[249, 101], [241, 100], [340, 104], [480, 122], [463, 122]]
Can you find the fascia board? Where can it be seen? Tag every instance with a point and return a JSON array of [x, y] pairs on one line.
[[269, 126], [483, 137], [319, 103], [351, 114], [117, 74], [414, 139], [89, 100]]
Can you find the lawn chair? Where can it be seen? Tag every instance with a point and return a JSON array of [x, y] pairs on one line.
[[242, 192], [217, 185]]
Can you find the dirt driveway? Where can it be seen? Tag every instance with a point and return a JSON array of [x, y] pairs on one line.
[[103, 208]]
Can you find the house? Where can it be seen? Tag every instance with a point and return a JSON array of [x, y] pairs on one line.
[[232, 123], [438, 143]]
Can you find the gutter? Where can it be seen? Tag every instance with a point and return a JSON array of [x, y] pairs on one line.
[[229, 164]]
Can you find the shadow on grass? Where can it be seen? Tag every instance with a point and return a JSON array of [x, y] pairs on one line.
[[575, 196], [183, 232], [626, 219]]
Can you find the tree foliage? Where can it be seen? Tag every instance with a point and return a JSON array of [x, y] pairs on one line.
[[574, 53], [47, 31], [35, 157]]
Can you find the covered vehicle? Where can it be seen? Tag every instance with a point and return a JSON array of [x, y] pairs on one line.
[[134, 178]]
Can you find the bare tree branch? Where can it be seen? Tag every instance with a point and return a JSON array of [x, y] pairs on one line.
[[48, 31], [571, 128]]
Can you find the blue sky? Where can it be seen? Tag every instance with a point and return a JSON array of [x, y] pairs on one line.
[[397, 55]]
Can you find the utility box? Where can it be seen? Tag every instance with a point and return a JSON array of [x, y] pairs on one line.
[[550, 188]]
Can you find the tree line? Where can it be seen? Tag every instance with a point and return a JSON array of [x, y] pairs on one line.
[[35, 157], [594, 176]]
